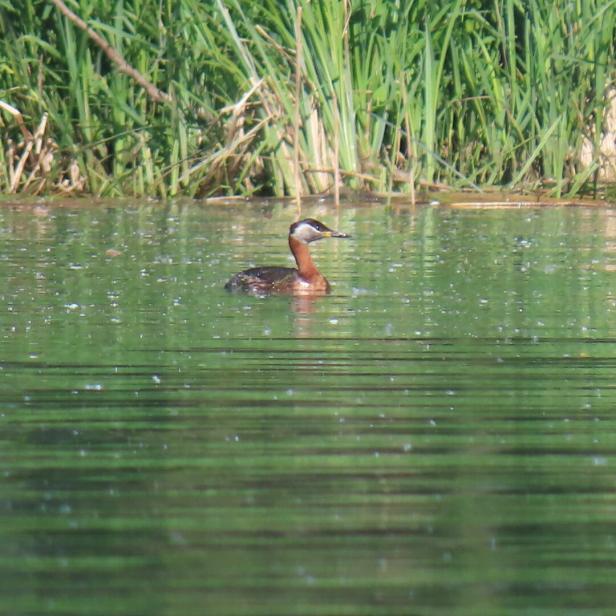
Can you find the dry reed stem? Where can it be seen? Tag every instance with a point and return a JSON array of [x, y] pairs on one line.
[[36, 159], [409, 141], [20, 167], [605, 154], [229, 151], [18, 118], [30, 142], [237, 141], [500, 205], [37, 142], [238, 107], [351, 174], [10, 155], [283, 51]]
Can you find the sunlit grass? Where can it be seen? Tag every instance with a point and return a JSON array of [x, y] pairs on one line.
[[383, 96]]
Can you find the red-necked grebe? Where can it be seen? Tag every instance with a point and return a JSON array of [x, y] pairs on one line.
[[305, 279]]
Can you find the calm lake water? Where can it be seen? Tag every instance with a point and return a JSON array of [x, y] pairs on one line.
[[437, 436]]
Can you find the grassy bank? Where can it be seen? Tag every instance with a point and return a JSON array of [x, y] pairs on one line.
[[260, 97]]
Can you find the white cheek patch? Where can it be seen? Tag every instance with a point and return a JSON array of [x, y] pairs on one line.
[[303, 233]]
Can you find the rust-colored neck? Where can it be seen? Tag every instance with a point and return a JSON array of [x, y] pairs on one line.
[[305, 265]]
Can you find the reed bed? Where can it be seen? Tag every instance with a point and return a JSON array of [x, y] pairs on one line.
[[296, 97]]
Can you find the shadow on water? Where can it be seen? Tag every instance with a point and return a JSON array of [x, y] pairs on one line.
[[436, 436]]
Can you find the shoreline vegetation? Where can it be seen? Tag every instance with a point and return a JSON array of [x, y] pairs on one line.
[[301, 97]]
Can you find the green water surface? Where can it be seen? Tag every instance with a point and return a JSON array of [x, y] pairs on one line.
[[437, 436]]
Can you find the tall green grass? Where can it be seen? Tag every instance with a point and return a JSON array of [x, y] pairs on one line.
[[384, 96]]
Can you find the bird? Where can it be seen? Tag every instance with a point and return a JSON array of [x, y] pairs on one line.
[[305, 279]]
